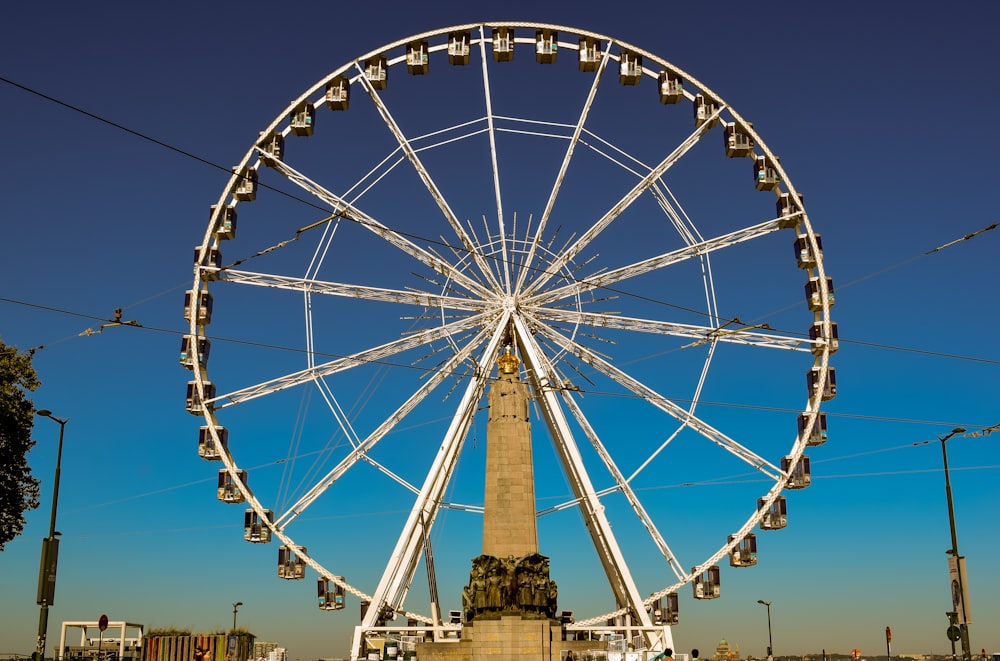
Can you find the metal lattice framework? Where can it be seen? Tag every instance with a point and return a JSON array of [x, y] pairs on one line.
[[459, 290]]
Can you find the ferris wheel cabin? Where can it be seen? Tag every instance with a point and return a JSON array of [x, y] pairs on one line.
[[302, 120], [331, 597], [272, 147], [290, 566], [195, 403], [629, 68], [503, 44], [743, 554], [338, 94], [194, 350], [417, 63], [254, 529], [225, 228], [589, 54], [377, 71], [458, 48], [819, 431], [546, 46], [776, 516], [246, 189], [799, 477], [671, 87], [228, 492], [206, 446], [707, 585], [765, 175], [204, 306], [705, 111], [665, 610], [805, 256], [739, 144]]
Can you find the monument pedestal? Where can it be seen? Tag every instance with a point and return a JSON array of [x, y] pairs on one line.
[[507, 638]]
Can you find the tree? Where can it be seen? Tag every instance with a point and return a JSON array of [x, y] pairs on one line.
[[18, 487]]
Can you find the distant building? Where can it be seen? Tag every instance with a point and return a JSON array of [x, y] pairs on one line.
[[726, 652]]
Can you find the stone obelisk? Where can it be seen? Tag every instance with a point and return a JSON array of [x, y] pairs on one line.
[[509, 528]]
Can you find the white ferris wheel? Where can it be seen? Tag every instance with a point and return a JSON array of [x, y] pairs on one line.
[[586, 202]]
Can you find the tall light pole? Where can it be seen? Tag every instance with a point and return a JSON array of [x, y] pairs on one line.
[[236, 607], [50, 550], [770, 644], [956, 564]]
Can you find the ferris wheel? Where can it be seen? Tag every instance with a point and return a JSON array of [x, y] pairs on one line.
[[587, 204]]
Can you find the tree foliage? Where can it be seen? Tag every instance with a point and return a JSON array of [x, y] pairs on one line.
[[18, 487]]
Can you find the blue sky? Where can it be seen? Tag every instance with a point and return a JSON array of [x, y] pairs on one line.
[[882, 121]]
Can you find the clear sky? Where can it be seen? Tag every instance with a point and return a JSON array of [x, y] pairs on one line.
[[882, 120]]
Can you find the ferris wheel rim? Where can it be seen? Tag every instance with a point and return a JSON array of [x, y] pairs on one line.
[[254, 156]]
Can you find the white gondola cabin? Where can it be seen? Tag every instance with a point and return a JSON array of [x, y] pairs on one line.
[[303, 119], [707, 585], [705, 111], [589, 55], [829, 388], [338, 93], [806, 256], [290, 566], [194, 351], [195, 403], [671, 87], [255, 530], [458, 48], [331, 595], [246, 185], [377, 71], [272, 148], [200, 305], [665, 611], [789, 210], [228, 491], [206, 444], [818, 434], [799, 477], [629, 68], [546, 46], [503, 44], [820, 340], [814, 294], [744, 553], [765, 175], [210, 262], [738, 142], [776, 516], [225, 225], [417, 62]]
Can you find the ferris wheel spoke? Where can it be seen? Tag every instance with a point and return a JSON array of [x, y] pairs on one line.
[[663, 403], [570, 150], [545, 383], [490, 120], [701, 334], [432, 188], [387, 425], [602, 224], [657, 262], [307, 285], [375, 354], [622, 484], [402, 563], [348, 210]]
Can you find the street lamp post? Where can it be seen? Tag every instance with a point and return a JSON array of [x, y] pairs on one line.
[[958, 562], [770, 643], [50, 550], [236, 607]]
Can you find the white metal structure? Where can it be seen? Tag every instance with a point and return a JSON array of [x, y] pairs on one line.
[[437, 198]]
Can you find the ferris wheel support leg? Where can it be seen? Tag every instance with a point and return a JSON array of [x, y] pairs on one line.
[[402, 563], [620, 578]]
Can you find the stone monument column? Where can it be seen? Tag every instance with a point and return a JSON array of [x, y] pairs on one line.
[[509, 527]]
